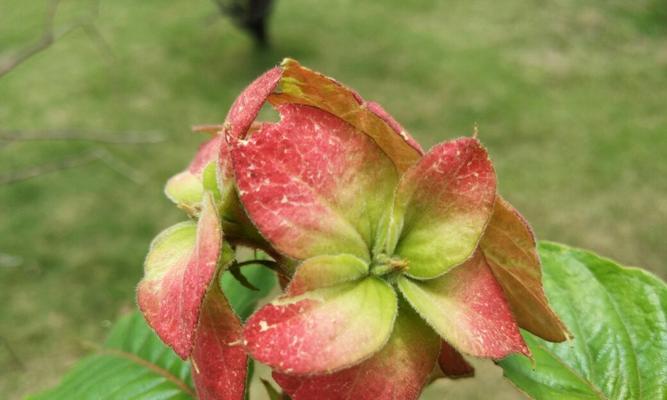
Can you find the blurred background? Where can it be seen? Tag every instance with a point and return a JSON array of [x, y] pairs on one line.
[[97, 100]]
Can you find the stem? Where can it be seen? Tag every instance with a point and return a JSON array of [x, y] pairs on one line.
[[267, 263]]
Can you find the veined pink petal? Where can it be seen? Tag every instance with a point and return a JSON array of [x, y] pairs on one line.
[[452, 363], [324, 330], [467, 307], [442, 206], [312, 184], [246, 107], [300, 85], [178, 269], [219, 362], [509, 247], [398, 371]]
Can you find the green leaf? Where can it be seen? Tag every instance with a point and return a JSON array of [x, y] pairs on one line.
[[619, 321], [133, 364], [271, 391], [242, 299]]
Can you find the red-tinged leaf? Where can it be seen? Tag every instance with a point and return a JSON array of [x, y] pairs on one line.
[[246, 107], [180, 264], [509, 247], [323, 330], [378, 110], [467, 308], [326, 271], [442, 206], [187, 188], [452, 363], [300, 85], [398, 371], [219, 362], [313, 185]]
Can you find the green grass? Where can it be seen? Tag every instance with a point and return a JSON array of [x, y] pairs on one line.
[[569, 97]]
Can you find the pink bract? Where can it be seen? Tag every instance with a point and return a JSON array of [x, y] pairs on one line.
[[393, 260]]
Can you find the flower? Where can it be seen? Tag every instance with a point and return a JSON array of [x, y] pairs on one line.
[[404, 259], [398, 250]]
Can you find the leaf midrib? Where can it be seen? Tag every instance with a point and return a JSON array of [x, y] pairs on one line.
[[596, 391], [152, 367]]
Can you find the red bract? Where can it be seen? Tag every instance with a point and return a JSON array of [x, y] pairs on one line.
[[178, 270], [340, 186], [394, 261], [182, 301], [219, 363]]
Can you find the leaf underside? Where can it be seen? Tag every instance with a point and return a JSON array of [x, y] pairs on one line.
[[510, 249]]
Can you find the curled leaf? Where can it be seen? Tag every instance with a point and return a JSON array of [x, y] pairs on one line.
[[509, 247], [246, 107], [179, 267], [220, 364], [452, 363], [300, 85]]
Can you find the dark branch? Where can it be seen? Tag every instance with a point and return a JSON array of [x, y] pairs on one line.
[[50, 35]]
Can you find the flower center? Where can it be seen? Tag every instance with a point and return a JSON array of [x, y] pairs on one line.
[[383, 264]]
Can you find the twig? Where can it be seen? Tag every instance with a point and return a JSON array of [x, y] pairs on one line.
[[49, 36], [47, 168], [82, 159], [270, 264], [235, 270], [120, 166], [267, 263], [212, 129], [13, 354], [96, 36], [108, 137]]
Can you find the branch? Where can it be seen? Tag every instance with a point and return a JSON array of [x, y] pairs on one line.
[[49, 36], [47, 168], [84, 158], [108, 137], [13, 354]]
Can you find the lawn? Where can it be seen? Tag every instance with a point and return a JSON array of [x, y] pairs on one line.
[[569, 97]]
